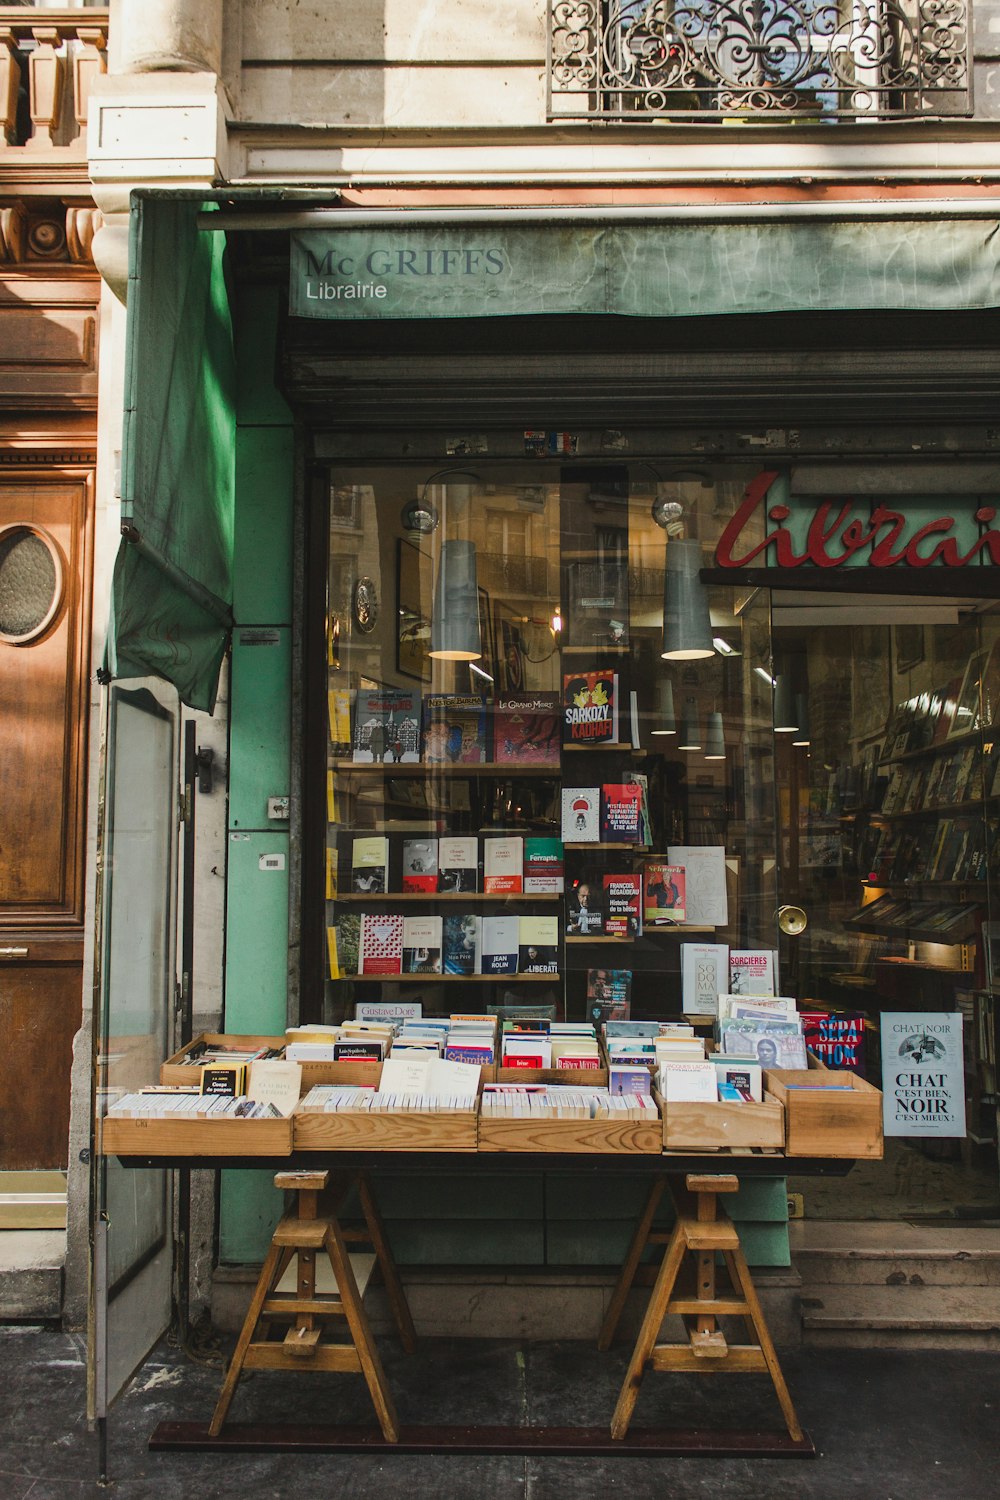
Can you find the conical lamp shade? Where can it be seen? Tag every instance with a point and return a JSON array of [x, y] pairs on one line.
[[663, 719], [690, 735], [687, 626], [455, 620], [785, 718], [715, 739]]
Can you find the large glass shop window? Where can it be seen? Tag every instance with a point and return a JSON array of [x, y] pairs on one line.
[[564, 774], [529, 806]]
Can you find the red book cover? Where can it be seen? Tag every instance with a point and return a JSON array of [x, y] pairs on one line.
[[622, 905], [381, 944], [621, 813], [664, 894], [590, 708], [526, 729], [586, 1061], [520, 1060], [837, 1040]]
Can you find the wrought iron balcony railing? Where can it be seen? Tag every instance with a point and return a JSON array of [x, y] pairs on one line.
[[759, 59]]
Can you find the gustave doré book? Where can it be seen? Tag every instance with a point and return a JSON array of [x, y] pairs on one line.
[[503, 865], [544, 867], [458, 863], [527, 729], [461, 944], [622, 905], [621, 813], [386, 725], [499, 948], [381, 943], [455, 729], [538, 945], [663, 895], [581, 814], [370, 864], [420, 864], [422, 945], [704, 976], [751, 971], [590, 708]]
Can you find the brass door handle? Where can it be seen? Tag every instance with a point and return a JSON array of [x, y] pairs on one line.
[[13, 952]]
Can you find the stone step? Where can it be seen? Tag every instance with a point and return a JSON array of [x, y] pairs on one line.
[[901, 1317], [894, 1254], [31, 1275]]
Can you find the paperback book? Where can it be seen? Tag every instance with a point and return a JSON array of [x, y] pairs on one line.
[[461, 944], [704, 977], [422, 937], [609, 996], [500, 943], [584, 912], [527, 729], [386, 726], [590, 709], [581, 814], [621, 813], [458, 864], [751, 971], [664, 895], [420, 864], [503, 865], [455, 729], [381, 943], [544, 867], [538, 945], [370, 865], [622, 905]]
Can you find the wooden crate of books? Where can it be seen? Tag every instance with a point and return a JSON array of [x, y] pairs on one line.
[[196, 1137], [547, 1133], [179, 1074], [395, 1130], [828, 1112], [722, 1125]]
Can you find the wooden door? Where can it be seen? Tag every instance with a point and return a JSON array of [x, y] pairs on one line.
[[46, 527]]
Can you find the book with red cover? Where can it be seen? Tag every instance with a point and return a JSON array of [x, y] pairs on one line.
[[590, 708], [838, 1040], [621, 813], [622, 905], [526, 729], [381, 944]]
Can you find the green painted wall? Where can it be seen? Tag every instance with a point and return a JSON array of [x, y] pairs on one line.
[[259, 734], [431, 1218]]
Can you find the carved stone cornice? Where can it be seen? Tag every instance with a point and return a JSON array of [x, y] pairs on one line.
[[36, 233]]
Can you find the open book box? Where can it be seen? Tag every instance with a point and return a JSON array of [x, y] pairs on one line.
[[827, 1112], [195, 1137], [176, 1071], [721, 1125]]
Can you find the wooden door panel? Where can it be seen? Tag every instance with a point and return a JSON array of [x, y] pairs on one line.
[[40, 1009], [43, 692]]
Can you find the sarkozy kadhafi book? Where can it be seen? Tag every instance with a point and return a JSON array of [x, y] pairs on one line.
[[590, 709]]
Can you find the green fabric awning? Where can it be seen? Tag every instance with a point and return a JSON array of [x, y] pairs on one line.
[[172, 588], [645, 270]]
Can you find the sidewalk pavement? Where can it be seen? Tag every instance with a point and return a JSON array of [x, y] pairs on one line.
[[887, 1426]]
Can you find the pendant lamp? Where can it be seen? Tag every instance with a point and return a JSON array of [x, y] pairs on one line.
[[802, 719], [785, 718], [663, 718], [687, 626], [455, 620], [715, 739], [690, 734]]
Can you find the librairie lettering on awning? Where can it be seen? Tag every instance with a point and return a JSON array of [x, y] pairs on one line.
[[772, 529], [646, 269]]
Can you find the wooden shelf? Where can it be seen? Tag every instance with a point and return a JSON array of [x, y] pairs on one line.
[[448, 978], [361, 897], [583, 937], [611, 649], [438, 768], [603, 745], [613, 847]]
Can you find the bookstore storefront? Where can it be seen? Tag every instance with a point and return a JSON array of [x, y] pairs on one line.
[[608, 655]]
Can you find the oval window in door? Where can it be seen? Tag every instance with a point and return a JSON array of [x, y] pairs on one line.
[[31, 583]]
